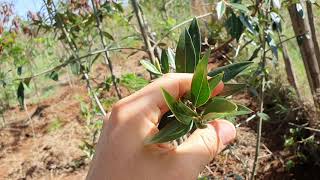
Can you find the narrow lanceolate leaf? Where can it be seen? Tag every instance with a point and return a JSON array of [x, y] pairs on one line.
[[150, 67], [220, 105], [239, 7], [247, 23], [164, 62], [264, 116], [276, 19], [108, 35], [20, 94], [200, 90], [272, 45], [194, 32], [234, 26], [242, 110], [215, 80], [183, 113], [185, 59], [220, 8], [230, 71], [170, 132], [171, 57], [230, 89]]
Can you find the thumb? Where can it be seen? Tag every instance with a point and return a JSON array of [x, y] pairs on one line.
[[204, 144]]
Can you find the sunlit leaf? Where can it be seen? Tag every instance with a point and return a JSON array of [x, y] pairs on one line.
[[230, 89], [200, 90], [272, 45], [194, 32], [230, 71], [150, 67], [276, 4], [170, 132], [185, 59], [220, 8], [276, 19], [247, 23]]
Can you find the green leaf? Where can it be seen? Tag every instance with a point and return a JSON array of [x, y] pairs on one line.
[[215, 80], [242, 110], [230, 71], [239, 7], [183, 113], [54, 75], [200, 90], [234, 26], [220, 8], [150, 67], [108, 35], [247, 23], [194, 32], [75, 68], [220, 105], [185, 59], [20, 94], [264, 116], [164, 62], [170, 132], [230, 89]]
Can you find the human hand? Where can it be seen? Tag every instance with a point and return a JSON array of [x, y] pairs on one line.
[[122, 154]]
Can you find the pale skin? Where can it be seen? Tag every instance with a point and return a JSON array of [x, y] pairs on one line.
[[122, 154]]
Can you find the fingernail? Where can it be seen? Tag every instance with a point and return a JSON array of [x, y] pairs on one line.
[[225, 130]]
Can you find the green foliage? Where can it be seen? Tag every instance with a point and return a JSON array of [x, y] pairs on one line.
[[196, 109], [133, 82], [54, 125]]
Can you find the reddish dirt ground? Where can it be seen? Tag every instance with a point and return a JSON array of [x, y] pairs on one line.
[[30, 150]]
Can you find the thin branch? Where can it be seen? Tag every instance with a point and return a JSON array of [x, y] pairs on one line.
[[107, 59], [143, 30], [308, 128]]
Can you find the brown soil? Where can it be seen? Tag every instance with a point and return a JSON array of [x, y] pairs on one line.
[[30, 150]]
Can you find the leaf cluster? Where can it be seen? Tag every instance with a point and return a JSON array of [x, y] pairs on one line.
[[197, 107]]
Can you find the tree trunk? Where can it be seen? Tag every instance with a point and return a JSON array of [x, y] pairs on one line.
[[301, 27], [291, 76], [313, 31]]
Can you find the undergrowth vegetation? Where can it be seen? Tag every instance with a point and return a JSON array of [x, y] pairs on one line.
[[254, 47]]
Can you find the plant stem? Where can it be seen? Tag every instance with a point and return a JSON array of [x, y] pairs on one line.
[[107, 59], [263, 81]]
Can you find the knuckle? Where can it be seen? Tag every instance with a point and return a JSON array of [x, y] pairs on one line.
[[209, 141]]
